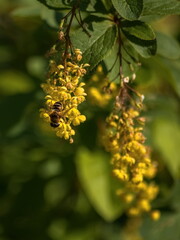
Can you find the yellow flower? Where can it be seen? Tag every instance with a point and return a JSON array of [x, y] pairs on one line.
[[128, 198], [155, 215], [144, 205], [100, 92], [64, 93], [133, 211], [130, 158], [122, 175]]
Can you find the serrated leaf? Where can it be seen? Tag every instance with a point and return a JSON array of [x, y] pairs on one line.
[[100, 48], [161, 7], [128, 9], [166, 140], [167, 46], [83, 41], [94, 174], [96, 47], [57, 4]]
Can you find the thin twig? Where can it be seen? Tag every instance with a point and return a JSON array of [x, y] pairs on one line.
[[114, 78], [81, 25], [67, 15], [132, 58], [119, 52], [68, 42], [113, 64]]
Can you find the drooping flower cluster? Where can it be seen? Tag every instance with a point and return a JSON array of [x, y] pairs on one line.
[[129, 156], [64, 93], [99, 90]]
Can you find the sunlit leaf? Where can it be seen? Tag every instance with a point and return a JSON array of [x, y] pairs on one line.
[[13, 82], [166, 140], [94, 174], [100, 48], [98, 45]]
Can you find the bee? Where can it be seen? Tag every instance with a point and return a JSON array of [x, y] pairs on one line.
[[55, 115]]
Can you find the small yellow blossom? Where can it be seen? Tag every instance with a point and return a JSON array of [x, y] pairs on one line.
[[131, 162], [128, 198], [64, 93], [144, 205], [155, 215], [134, 211], [97, 92]]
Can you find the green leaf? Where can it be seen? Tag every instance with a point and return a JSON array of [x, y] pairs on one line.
[[166, 228], [166, 140], [138, 32], [167, 46], [57, 4], [158, 69], [161, 7], [176, 195], [173, 69], [93, 169], [49, 16], [107, 4], [112, 62], [128, 9], [145, 51], [36, 66], [26, 11], [87, 5], [96, 47], [141, 37], [100, 48], [14, 82], [11, 118]]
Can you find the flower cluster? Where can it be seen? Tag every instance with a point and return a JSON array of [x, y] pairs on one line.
[[98, 93], [64, 93], [130, 157]]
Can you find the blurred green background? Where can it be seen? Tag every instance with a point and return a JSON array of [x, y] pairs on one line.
[[51, 190]]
